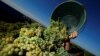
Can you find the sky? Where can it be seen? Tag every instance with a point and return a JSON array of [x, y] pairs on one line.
[[41, 11]]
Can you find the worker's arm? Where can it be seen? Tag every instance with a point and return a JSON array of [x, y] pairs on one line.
[[67, 42]]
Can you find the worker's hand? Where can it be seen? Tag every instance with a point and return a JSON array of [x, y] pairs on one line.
[[73, 35]]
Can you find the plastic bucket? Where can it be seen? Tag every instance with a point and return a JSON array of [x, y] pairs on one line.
[[72, 13]]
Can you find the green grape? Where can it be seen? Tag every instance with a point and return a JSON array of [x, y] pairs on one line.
[[28, 48], [33, 47], [29, 54], [33, 51], [30, 41], [24, 47], [38, 50], [46, 53], [40, 54], [16, 49], [10, 52], [20, 53], [52, 54]]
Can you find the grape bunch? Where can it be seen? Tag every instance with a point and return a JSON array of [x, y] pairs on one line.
[[9, 32], [35, 40]]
